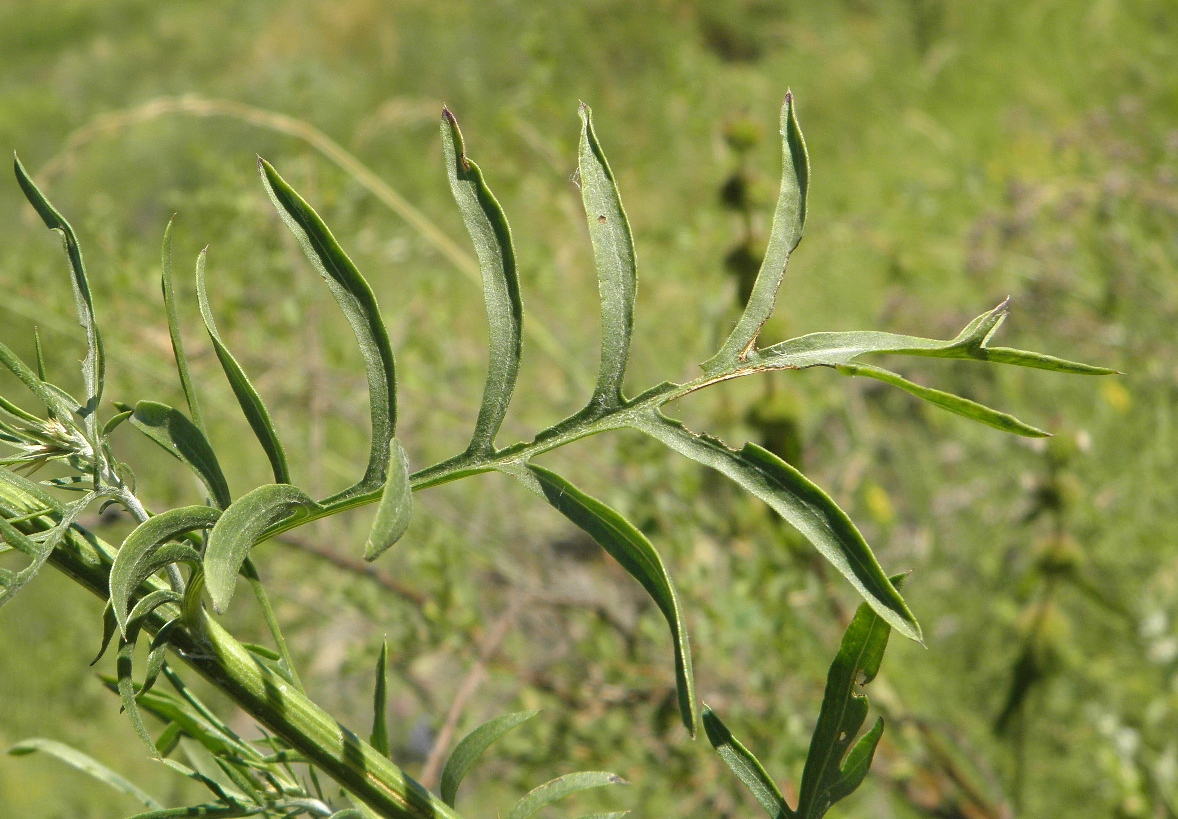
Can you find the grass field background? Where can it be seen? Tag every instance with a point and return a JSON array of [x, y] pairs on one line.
[[961, 153]]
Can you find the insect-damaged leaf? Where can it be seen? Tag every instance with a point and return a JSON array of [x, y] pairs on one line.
[[827, 778], [251, 403], [239, 527], [947, 400], [746, 766], [789, 219], [467, 752], [613, 254], [146, 550], [557, 789], [94, 365], [359, 306], [832, 349], [86, 764], [395, 511], [182, 439], [803, 504], [491, 236], [635, 553]]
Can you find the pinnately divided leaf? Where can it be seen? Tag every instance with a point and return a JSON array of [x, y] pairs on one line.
[[827, 778], [491, 236], [144, 552], [637, 556], [802, 503], [239, 527], [557, 789], [746, 766], [39, 550], [467, 752], [613, 253], [94, 365], [184, 440], [395, 510], [789, 220], [243, 389], [86, 764], [359, 306]]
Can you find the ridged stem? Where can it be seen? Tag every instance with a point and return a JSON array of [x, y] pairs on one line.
[[260, 692]]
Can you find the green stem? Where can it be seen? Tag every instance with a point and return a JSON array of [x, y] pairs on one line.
[[581, 425], [267, 697]]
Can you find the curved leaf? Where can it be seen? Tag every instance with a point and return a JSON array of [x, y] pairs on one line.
[[467, 752], [491, 235], [746, 766], [635, 553], [947, 400], [251, 403], [613, 254], [94, 365], [239, 527], [803, 504], [183, 440], [124, 662], [145, 551], [557, 789], [395, 511], [789, 219], [86, 764], [359, 306], [826, 778], [832, 349], [174, 327], [109, 626]]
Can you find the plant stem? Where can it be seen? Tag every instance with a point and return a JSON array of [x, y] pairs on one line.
[[260, 692]]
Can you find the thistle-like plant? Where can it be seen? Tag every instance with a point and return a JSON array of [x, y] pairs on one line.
[[156, 582]]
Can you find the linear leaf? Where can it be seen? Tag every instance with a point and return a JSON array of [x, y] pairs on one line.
[[379, 739], [395, 511], [557, 789], [832, 349], [467, 752], [635, 553], [746, 766], [42, 549], [166, 285], [86, 764], [826, 778], [156, 655], [125, 661], [172, 709], [613, 254], [146, 550], [359, 306], [789, 220], [947, 400], [251, 403], [59, 405], [109, 626], [491, 235], [241, 525], [802, 503], [94, 365], [183, 439]]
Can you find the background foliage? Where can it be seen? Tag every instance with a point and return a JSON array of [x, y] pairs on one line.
[[962, 153]]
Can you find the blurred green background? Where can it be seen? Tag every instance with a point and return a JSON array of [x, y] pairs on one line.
[[961, 152]]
